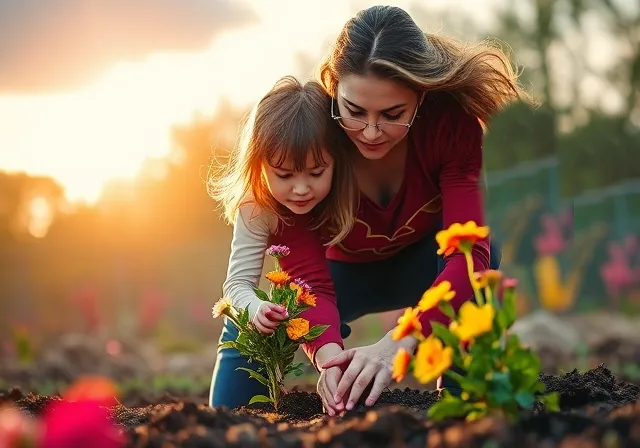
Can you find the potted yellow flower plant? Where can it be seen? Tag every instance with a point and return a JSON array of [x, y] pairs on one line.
[[500, 375], [274, 353]]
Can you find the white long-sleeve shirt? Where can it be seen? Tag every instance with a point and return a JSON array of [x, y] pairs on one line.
[[248, 246]]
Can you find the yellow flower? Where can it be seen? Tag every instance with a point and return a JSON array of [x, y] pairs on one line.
[[434, 295], [432, 359], [278, 278], [400, 364], [489, 278], [297, 328], [473, 321], [459, 236], [408, 323], [221, 307]]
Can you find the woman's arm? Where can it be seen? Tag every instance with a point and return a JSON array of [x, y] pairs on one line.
[[461, 187]]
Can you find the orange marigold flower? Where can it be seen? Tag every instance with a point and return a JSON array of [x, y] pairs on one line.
[[303, 295], [297, 328], [432, 359], [93, 388], [433, 296], [408, 323], [460, 236], [307, 298], [278, 278], [489, 278], [400, 364]]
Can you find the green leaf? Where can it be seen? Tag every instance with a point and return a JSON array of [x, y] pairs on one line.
[[281, 336], [509, 308], [243, 318], [260, 399], [473, 386], [447, 337], [255, 375], [447, 407], [502, 320], [261, 294], [500, 388], [315, 331], [243, 339], [226, 345], [525, 399], [447, 309], [551, 401], [295, 366]]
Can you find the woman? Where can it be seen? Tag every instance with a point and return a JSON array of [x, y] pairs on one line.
[[414, 106]]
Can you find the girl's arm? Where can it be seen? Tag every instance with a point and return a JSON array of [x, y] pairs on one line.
[[248, 245], [307, 261]]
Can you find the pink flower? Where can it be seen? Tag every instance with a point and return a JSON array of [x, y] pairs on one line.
[[278, 251], [301, 283], [81, 423], [16, 429]]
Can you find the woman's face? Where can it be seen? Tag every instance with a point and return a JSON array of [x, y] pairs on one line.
[[373, 100]]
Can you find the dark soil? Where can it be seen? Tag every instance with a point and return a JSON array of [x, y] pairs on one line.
[[597, 410]]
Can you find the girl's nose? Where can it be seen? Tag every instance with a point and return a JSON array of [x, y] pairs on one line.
[[301, 188]]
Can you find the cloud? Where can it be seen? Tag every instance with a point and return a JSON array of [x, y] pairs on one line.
[[58, 44]]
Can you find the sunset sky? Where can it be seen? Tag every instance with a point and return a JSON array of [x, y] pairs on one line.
[[89, 89]]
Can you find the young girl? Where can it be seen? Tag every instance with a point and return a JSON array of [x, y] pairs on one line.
[[283, 170]]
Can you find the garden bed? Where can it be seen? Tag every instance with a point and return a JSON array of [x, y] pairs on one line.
[[596, 410]]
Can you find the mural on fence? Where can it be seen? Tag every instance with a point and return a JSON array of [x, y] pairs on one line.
[[578, 254]]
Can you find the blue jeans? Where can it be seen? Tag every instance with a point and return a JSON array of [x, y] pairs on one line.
[[361, 288]]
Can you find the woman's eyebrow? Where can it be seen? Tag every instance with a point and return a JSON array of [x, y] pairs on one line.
[[388, 109]]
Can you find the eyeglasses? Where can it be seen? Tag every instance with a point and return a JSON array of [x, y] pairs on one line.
[[353, 124]]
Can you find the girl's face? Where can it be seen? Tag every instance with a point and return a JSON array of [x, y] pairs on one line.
[[369, 99], [300, 191]]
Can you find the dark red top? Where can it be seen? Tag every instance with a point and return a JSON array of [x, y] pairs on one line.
[[441, 184]]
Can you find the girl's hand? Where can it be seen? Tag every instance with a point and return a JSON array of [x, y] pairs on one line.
[[268, 316]]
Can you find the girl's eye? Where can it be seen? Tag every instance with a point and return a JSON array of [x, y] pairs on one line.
[[283, 176], [393, 117], [318, 173]]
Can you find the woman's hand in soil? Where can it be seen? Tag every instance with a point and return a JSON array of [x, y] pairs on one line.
[[268, 316], [362, 365]]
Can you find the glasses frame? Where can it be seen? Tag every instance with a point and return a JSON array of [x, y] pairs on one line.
[[366, 124]]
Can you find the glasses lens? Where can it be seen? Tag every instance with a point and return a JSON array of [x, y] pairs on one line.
[[392, 128], [352, 124]]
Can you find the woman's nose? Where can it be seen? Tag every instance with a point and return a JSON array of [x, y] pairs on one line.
[[371, 133]]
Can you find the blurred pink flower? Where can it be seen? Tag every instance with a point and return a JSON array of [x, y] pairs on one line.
[[16, 429], [79, 424], [113, 347]]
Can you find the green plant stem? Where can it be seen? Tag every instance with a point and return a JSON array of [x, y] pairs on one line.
[[476, 291]]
